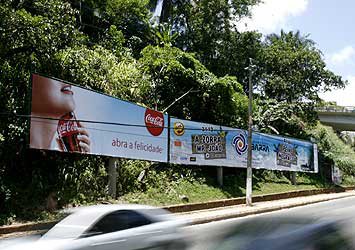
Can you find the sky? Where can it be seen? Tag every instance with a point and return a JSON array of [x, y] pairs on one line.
[[329, 23]]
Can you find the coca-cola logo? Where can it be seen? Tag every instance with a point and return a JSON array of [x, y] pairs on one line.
[[65, 127], [154, 122]]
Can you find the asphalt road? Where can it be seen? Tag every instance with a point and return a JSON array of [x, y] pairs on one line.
[[206, 236]]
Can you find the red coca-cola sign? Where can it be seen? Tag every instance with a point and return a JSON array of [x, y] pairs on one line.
[[154, 122], [67, 127], [67, 130]]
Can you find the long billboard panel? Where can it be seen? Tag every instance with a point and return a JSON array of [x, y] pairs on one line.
[[206, 144], [69, 118]]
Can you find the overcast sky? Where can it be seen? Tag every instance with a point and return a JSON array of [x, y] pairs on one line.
[[330, 23]]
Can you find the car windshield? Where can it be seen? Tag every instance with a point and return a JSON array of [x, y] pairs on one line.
[[73, 226], [64, 232]]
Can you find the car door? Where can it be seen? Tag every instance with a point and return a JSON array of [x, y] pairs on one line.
[[117, 230]]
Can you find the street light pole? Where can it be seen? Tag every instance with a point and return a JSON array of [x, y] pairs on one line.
[[250, 124]]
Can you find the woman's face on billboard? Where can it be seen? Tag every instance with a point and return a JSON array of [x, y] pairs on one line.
[[51, 97]]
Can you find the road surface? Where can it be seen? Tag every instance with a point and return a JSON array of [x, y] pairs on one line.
[[204, 236]]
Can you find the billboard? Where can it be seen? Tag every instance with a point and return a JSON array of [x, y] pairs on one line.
[[206, 144], [69, 118]]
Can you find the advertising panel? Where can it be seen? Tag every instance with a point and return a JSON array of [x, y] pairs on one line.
[[69, 118], [336, 175], [206, 144]]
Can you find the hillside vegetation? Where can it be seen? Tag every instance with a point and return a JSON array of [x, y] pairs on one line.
[[118, 48]]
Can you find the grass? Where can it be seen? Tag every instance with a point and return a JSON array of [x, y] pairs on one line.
[[194, 191], [177, 186], [206, 189], [348, 181]]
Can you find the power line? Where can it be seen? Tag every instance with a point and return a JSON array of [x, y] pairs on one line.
[[103, 130], [213, 129], [110, 123]]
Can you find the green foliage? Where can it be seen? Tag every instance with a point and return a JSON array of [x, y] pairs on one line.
[[124, 13], [292, 74], [132, 18], [96, 44], [175, 72], [82, 181], [294, 70], [234, 57], [226, 103], [128, 178], [99, 69], [209, 31], [114, 40], [333, 150], [162, 34], [284, 118], [168, 186], [348, 180], [31, 32], [70, 179], [36, 27]]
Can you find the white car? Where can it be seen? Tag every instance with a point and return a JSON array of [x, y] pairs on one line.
[[107, 227]]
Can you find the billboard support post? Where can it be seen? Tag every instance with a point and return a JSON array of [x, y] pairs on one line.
[[220, 176], [112, 177], [248, 198], [293, 178]]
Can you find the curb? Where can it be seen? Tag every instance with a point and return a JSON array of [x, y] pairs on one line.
[[181, 208], [260, 211], [41, 226]]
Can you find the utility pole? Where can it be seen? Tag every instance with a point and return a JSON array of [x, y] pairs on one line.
[[249, 184]]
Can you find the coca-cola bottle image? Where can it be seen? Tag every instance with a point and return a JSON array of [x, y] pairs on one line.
[[67, 130]]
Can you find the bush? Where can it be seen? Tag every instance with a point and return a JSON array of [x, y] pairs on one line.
[[332, 150]]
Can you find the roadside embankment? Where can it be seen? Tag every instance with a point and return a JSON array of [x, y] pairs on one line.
[[204, 212]]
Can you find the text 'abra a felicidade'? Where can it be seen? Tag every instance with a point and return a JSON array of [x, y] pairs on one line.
[[140, 146]]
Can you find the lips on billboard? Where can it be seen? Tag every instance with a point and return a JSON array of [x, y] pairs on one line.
[[154, 122]]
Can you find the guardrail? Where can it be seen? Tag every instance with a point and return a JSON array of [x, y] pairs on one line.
[[346, 109]]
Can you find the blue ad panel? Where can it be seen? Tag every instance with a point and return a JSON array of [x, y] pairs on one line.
[[206, 144]]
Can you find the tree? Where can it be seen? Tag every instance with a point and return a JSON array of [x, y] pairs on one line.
[[208, 29], [162, 34], [31, 32], [294, 70], [279, 117], [292, 73], [101, 70], [226, 103], [235, 54], [332, 150], [174, 73], [131, 17]]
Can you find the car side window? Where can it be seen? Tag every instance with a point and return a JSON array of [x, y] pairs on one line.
[[117, 221]]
